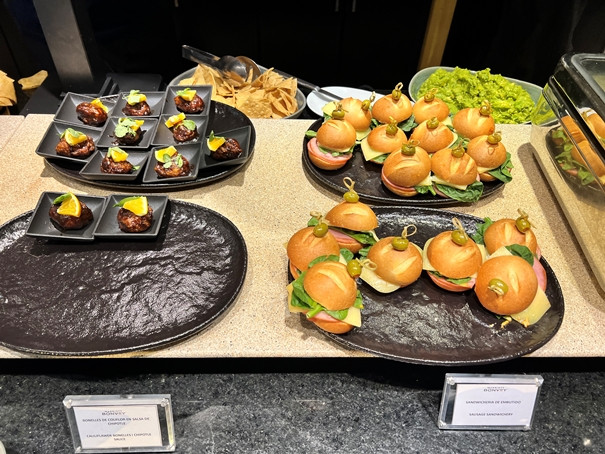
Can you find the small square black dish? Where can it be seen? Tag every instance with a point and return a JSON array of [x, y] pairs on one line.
[[92, 169], [155, 99], [148, 130], [242, 135], [163, 134], [203, 91], [46, 147], [40, 224], [108, 225], [67, 109], [191, 152]]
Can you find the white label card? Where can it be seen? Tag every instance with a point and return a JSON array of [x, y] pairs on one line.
[[476, 401], [121, 423], [118, 427]]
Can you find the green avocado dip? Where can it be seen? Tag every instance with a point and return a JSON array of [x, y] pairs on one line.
[[460, 88]]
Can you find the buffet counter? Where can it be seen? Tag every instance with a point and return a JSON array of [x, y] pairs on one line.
[[271, 198]]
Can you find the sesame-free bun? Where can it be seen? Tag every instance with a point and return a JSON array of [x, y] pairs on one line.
[[386, 108], [453, 260], [381, 141], [519, 277], [430, 106], [401, 172], [487, 154], [432, 135], [596, 123], [397, 267], [304, 247], [356, 216], [338, 135], [330, 284], [355, 114], [445, 165], [470, 122], [504, 232]]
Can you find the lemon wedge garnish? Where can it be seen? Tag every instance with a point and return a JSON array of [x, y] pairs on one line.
[[117, 154], [187, 94], [214, 142], [174, 119], [73, 137], [162, 153], [70, 205], [136, 204]]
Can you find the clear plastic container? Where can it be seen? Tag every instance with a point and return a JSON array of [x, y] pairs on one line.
[[568, 137]]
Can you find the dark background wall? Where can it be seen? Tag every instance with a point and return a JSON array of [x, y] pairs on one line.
[[328, 42]]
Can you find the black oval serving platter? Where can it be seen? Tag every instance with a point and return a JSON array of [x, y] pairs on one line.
[[425, 324], [109, 296], [368, 183]]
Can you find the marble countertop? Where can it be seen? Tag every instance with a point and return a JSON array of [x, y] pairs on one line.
[[271, 199]]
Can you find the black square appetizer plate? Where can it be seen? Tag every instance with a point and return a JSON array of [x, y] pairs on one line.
[[164, 135], [191, 152], [47, 147], [92, 169], [242, 135], [154, 99], [41, 225], [108, 138], [108, 226], [67, 109], [170, 105]]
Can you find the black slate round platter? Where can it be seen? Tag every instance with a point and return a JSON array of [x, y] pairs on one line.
[[424, 324], [368, 183], [110, 296], [220, 118]]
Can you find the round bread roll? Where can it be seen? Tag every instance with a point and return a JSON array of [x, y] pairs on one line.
[[355, 114], [594, 161], [504, 232], [356, 216], [470, 122], [401, 172], [337, 135], [451, 259], [487, 151], [397, 267], [432, 135], [430, 106], [460, 171], [330, 284], [304, 247], [386, 108], [519, 277], [380, 140]]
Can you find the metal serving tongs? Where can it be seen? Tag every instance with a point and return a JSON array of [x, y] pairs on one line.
[[239, 67]]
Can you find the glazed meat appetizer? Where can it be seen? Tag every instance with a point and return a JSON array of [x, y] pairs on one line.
[[223, 148], [128, 131], [116, 161], [75, 144], [136, 104], [170, 163], [188, 101], [183, 130], [69, 213], [135, 214], [93, 113]]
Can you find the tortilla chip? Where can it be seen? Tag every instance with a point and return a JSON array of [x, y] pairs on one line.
[[268, 96]]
